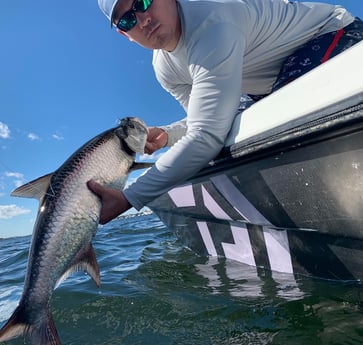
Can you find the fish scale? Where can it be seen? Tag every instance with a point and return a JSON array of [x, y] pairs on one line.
[[67, 222]]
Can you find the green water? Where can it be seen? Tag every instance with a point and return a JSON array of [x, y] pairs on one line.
[[154, 291]]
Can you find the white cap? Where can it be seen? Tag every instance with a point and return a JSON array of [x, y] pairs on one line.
[[107, 7]]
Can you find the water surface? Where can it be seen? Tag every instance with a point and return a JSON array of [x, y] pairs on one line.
[[155, 291]]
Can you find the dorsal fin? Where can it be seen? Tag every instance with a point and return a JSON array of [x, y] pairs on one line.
[[85, 260], [34, 189]]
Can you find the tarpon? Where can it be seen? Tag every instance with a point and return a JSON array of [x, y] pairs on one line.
[[67, 221]]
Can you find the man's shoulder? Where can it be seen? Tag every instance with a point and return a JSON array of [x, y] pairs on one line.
[[195, 6], [167, 70], [199, 16]]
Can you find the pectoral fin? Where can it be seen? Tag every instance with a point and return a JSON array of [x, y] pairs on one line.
[[85, 260]]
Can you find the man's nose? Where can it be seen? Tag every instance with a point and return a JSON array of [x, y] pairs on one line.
[[143, 19]]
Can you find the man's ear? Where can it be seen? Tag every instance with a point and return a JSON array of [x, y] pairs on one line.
[[125, 34]]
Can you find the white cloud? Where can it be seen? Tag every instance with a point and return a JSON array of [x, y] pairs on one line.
[[18, 177], [12, 211], [33, 137], [4, 131], [57, 136], [14, 174], [130, 181]]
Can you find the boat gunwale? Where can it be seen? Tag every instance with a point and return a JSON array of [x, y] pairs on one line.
[[315, 128]]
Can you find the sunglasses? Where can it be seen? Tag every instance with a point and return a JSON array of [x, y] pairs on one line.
[[129, 20]]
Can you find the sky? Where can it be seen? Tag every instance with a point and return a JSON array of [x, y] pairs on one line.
[[66, 76]]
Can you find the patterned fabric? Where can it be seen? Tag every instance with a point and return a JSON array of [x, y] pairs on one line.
[[317, 51], [310, 55]]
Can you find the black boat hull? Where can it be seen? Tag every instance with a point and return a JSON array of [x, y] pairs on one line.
[[289, 199]]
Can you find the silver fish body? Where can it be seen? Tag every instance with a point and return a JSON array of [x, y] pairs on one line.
[[66, 223]]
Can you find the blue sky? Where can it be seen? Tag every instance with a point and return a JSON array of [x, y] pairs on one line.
[[65, 76]]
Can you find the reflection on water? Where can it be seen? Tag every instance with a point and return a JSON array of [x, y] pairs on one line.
[[241, 280], [155, 291]]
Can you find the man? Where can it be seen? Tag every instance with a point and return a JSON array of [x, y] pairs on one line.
[[206, 54]]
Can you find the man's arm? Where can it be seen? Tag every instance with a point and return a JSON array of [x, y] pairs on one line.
[[216, 69], [215, 66]]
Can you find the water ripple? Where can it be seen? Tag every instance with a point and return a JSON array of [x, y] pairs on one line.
[[155, 291]]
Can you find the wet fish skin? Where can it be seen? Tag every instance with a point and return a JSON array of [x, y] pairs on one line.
[[66, 223]]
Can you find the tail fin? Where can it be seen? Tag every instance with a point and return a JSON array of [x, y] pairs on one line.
[[43, 332]]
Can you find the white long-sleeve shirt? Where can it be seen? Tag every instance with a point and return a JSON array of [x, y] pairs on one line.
[[227, 47]]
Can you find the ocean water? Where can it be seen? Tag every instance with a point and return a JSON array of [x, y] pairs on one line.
[[155, 291]]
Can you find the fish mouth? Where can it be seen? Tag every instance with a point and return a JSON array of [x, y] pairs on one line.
[[128, 121], [132, 132]]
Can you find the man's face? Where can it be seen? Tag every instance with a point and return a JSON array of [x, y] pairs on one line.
[[156, 28]]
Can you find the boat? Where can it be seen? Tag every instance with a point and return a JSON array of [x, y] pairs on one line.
[[286, 192]]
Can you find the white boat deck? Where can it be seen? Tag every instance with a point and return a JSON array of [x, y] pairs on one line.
[[333, 82]]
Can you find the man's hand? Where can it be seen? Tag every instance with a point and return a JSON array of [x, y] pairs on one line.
[[156, 139], [113, 201]]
